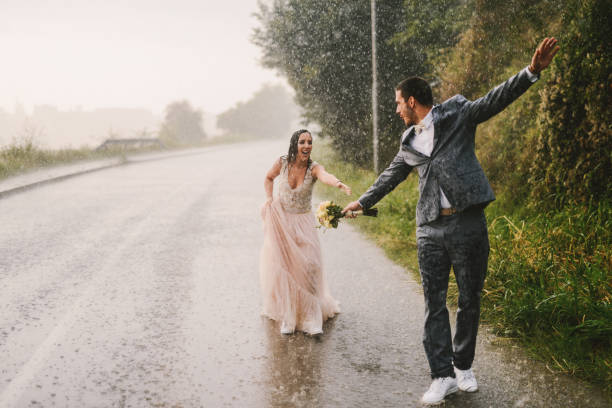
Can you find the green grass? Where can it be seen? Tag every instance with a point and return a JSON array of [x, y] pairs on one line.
[[549, 284], [24, 156]]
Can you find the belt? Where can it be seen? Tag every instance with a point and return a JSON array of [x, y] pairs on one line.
[[448, 211]]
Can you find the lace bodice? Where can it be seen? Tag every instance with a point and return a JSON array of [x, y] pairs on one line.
[[299, 199]]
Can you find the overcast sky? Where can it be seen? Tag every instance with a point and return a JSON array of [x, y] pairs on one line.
[[128, 53]]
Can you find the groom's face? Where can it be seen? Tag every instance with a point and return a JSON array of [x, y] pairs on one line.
[[405, 108]]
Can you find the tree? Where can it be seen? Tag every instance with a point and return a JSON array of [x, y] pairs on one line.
[[572, 160], [269, 113], [433, 30], [323, 48], [492, 35], [182, 125]]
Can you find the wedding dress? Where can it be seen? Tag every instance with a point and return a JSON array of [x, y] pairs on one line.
[[293, 284]]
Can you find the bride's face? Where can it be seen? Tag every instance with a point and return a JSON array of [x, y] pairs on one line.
[[304, 146]]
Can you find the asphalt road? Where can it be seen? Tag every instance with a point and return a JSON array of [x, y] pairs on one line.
[[137, 286]]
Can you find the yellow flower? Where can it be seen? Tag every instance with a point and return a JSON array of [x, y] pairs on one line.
[[323, 216]]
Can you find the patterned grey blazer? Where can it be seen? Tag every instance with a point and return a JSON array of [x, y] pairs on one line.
[[453, 165]]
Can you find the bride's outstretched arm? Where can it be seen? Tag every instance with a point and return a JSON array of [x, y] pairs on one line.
[[319, 172], [270, 176]]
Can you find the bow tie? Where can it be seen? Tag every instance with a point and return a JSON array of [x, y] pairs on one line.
[[419, 128]]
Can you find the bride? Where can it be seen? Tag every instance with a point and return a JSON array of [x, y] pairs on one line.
[[293, 285]]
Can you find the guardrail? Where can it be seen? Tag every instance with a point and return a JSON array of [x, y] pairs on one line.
[[133, 143]]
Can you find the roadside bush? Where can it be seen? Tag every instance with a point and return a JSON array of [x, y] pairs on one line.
[[549, 284]]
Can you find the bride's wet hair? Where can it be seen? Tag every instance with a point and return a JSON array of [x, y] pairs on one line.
[[293, 146]]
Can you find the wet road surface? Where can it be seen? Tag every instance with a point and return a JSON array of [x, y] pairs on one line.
[[137, 286]]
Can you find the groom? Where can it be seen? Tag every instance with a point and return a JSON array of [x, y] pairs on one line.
[[451, 226]]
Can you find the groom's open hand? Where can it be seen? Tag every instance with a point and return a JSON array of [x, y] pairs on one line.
[[543, 55], [354, 206]]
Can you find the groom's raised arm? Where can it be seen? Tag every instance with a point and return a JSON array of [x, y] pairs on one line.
[[501, 96], [394, 174], [504, 94]]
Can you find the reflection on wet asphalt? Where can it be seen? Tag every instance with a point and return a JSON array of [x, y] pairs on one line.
[[137, 286]]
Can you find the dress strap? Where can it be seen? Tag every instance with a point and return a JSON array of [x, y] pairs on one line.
[[314, 163], [283, 160]]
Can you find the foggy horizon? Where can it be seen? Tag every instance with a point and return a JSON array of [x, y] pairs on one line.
[[51, 127]]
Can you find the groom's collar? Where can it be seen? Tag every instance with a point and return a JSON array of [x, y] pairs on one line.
[[428, 119], [426, 122]]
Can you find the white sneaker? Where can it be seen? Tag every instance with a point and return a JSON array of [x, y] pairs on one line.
[[439, 388], [285, 328], [466, 380]]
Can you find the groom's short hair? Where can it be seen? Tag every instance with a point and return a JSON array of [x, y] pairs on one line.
[[417, 88]]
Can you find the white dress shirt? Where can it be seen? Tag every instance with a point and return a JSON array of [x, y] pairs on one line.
[[423, 142]]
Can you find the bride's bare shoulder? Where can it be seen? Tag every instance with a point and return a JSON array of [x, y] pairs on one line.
[[316, 167]]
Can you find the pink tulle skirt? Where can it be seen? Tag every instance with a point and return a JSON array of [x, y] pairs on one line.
[[292, 282]]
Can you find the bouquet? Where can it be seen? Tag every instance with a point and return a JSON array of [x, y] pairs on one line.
[[329, 214]]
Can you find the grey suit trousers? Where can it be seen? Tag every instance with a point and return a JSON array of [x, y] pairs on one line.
[[461, 241]]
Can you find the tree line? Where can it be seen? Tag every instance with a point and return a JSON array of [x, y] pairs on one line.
[[268, 113]]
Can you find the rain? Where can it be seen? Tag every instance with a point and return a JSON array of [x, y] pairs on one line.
[[137, 141]]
